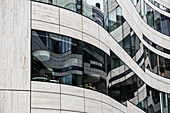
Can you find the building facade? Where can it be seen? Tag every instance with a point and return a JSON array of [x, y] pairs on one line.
[[85, 56]]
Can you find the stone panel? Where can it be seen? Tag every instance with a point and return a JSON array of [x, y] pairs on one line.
[[45, 12], [15, 44], [45, 100], [14, 102], [72, 103]]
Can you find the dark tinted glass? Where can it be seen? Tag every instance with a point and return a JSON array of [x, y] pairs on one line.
[[56, 58], [61, 59], [94, 68], [157, 64]]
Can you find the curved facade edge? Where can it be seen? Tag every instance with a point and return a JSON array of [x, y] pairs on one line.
[[157, 9], [95, 37], [76, 32], [15, 60], [48, 97], [135, 21], [75, 28]]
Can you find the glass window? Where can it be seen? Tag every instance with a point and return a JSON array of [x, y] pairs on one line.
[[157, 19], [114, 92], [153, 101], [112, 20], [106, 24], [137, 43], [134, 2], [115, 19], [131, 86], [127, 44], [156, 63], [94, 68], [56, 58], [138, 6], [165, 22], [93, 9], [149, 15]]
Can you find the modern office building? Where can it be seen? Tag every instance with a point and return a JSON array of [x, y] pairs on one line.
[[85, 56]]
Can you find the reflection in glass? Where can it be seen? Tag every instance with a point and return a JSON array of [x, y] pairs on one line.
[[56, 58], [94, 68], [61, 59], [93, 9], [157, 64], [121, 31], [153, 18], [115, 19], [149, 15], [157, 20], [153, 101], [155, 45]]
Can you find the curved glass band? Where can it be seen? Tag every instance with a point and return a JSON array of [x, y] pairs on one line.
[[62, 59], [155, 45]]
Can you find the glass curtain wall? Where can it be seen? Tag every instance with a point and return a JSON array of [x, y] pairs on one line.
[[130, 87], [125, 85], [135, 2], [121, 31], [61, 59], [68, 4]]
